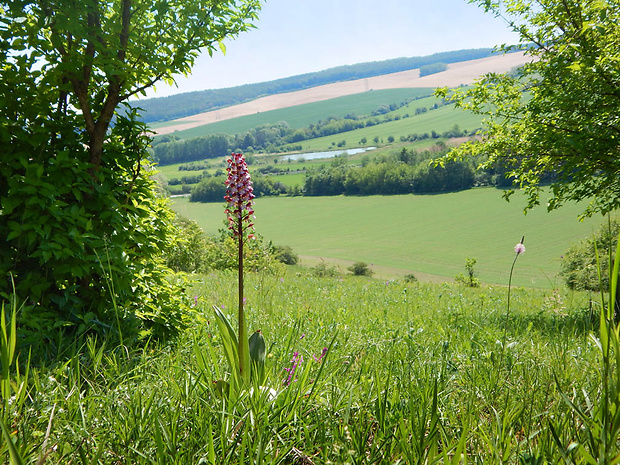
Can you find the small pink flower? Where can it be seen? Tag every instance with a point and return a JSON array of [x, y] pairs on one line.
[[519, 248], [295, 362], [323, 353]]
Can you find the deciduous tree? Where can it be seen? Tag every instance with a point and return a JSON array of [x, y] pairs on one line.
[[559, 113], [81, 228]]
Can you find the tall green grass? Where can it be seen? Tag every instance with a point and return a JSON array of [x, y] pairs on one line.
[[412, 374], [420, 234]]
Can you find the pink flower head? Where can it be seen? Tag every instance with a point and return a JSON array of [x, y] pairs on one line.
[[295, 362], [239, 194], [519, 248], [323, 353]]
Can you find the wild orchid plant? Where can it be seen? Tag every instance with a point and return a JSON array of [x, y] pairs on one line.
[[240, 352]]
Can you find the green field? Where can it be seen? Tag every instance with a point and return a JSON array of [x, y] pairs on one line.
[[440, 120], [172, 171], [408, 372], [428, 235], [300, 116]]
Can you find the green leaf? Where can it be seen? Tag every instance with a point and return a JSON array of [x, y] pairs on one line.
[[16, 459], [257, 356]]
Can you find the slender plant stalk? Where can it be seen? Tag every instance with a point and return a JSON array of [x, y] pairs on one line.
[[239, 196], [519, 249], [241, 332]]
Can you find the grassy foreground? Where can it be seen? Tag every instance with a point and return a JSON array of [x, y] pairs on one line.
[[428, 235], [413, 373]]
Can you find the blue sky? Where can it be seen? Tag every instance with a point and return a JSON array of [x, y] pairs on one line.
[[300, 36]]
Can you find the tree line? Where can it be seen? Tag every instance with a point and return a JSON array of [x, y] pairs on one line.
[[405, 172]]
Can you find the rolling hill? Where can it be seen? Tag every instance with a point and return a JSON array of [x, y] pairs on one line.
[[456, 74]]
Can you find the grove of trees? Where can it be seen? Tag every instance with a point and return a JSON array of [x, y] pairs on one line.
[[389, 177]]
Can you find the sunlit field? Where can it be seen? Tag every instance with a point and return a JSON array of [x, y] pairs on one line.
[[431, 235]]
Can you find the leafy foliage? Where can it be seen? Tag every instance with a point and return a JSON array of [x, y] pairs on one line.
[[432, 69], [360, 269], [558, 113], [285, 254], [81, 227], [212, 189], [580, 267], [470, 280], [192, 251], [404, 174]]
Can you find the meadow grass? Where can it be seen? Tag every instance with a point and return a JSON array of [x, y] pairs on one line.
[[291, 179], [412, 374], [425, 234]]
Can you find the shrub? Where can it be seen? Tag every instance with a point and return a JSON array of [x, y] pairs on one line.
[[360, 269], [221, 254], [85, 249], [578, 266], [323, 269], [286, 255], [469, 280], [188, 252]]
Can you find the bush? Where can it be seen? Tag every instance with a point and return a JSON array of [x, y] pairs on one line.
[[469, 280], [222, 254], [360, 269], [286, 255], [323, 269], [188, 252], [84, 248], [578, 266]]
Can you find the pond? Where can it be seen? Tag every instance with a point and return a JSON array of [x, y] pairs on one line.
[[330, 154]]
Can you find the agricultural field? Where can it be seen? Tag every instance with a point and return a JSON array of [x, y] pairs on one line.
[[439, 120], [430, 236], [303, 115], [173, 171]]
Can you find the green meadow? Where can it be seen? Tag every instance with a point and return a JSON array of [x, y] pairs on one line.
[[430, 236], [300, 116], [411, 374], [439, 120]]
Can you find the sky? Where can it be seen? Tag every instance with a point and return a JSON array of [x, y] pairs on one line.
[[301, 36]]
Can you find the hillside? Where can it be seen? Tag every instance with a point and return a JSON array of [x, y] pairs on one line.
[[456, 74], [191, 103]]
